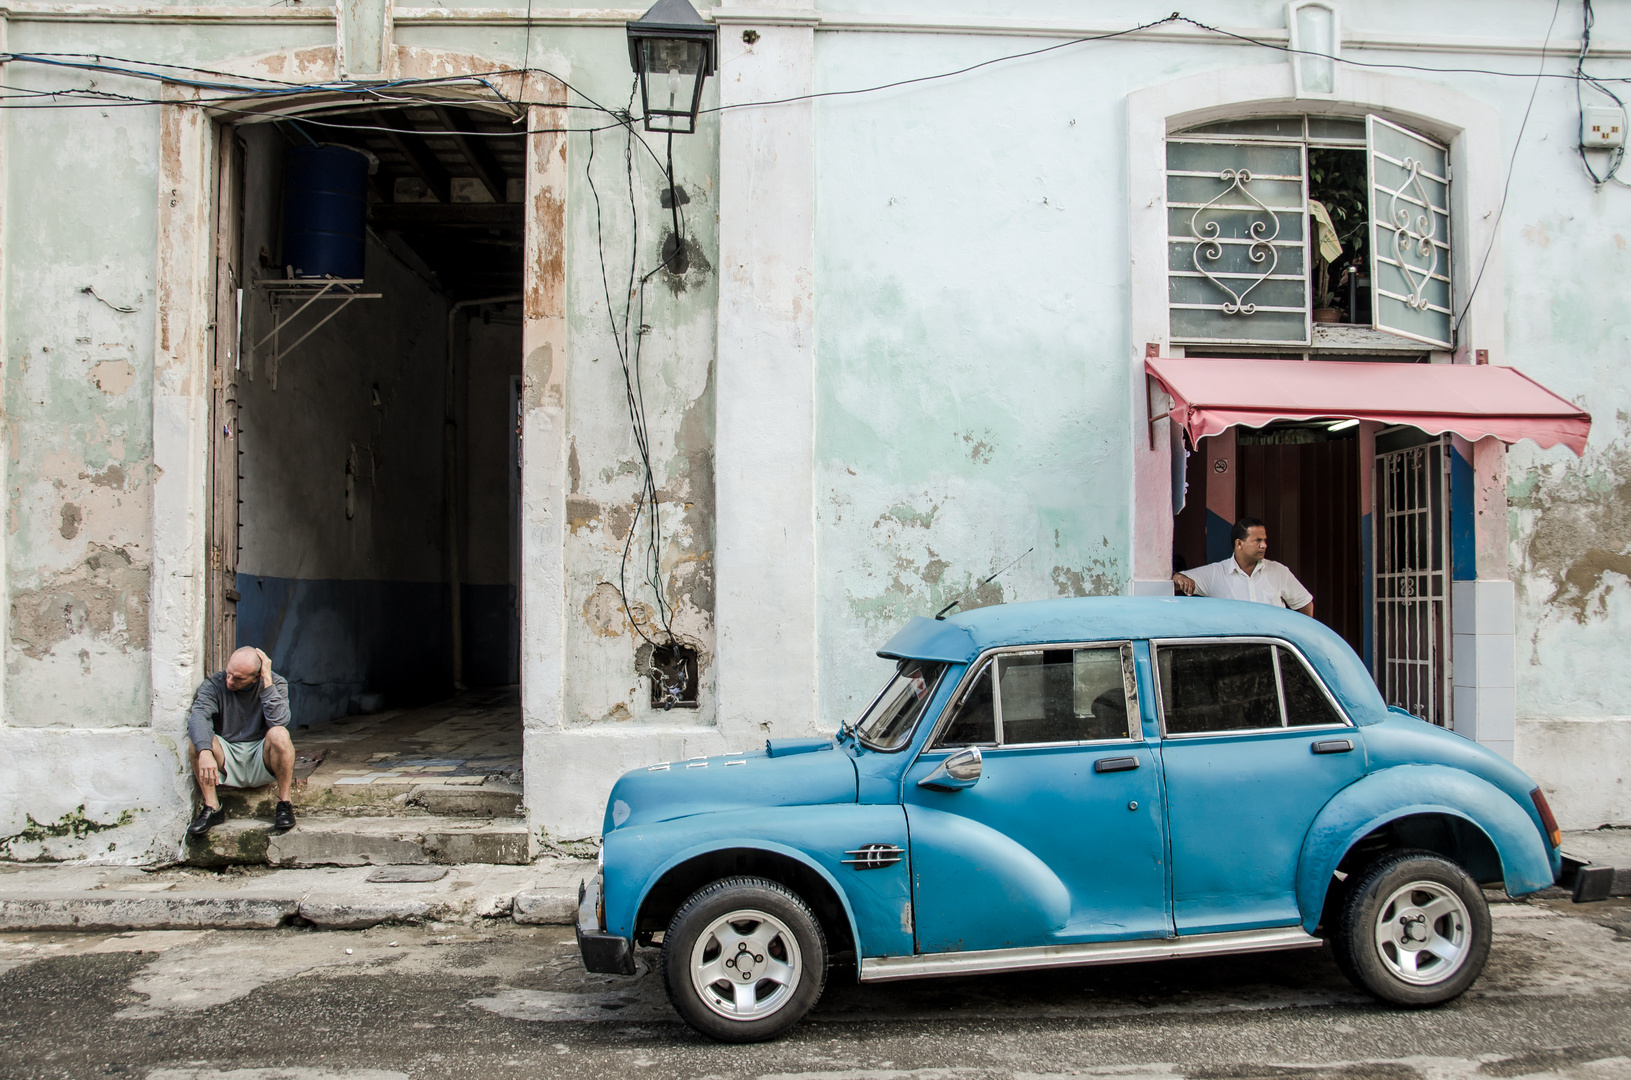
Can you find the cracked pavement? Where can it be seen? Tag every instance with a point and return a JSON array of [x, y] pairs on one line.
[[502, 1000]]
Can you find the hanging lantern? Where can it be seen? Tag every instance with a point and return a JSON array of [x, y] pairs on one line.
[[673, 51]]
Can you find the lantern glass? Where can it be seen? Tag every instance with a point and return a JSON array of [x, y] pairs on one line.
[[671, 74]]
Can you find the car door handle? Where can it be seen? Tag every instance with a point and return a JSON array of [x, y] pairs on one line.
[[1115, 764], [1333, 746]]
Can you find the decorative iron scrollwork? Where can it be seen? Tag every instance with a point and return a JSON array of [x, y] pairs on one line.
[[1418, 239], [1261, 250]]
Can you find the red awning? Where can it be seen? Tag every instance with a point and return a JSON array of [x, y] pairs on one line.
[[1473, 401]]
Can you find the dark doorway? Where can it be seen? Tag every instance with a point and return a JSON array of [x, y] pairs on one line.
[[1304, 484], [1303, 481], [367, 451]]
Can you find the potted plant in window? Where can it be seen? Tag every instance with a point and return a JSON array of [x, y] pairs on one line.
[[1327, 250], [1339, 217]]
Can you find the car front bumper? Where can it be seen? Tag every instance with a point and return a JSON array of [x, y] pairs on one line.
[[603, 953]]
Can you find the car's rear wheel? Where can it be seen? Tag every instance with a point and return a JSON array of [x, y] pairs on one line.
[[1414, 930], [744, 960]]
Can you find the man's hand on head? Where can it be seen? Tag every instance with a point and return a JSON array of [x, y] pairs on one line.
[[266, 668]]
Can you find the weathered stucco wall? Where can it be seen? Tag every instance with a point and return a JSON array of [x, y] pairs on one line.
[[972, 394], [972, 336], [1571, 518]]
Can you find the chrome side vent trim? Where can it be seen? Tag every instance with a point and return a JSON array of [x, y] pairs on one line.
[[873, 856]]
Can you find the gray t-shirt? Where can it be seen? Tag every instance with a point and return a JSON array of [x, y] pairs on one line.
[[244, 715]]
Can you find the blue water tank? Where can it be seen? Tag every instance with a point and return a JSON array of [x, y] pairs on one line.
[[325, 211]]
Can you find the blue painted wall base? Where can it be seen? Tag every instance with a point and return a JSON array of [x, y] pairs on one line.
[[1219, 544], [338, 640]]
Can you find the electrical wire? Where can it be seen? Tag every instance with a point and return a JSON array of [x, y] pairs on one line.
[[628, 339], [1511, 167], [1174, 17], [1581, 80]]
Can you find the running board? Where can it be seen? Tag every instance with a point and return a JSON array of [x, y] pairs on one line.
[[887, 968]]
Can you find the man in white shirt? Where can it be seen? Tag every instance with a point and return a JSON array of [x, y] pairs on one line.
[[1248, 574]]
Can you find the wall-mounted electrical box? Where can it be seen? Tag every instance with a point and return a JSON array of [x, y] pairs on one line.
[[1603, 127]]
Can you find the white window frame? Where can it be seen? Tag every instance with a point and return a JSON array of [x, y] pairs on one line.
[[1471, 128]]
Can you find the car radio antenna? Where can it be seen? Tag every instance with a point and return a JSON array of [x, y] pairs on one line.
[[941, 614]]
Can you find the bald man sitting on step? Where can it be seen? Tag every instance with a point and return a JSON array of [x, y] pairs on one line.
[[239, 728]]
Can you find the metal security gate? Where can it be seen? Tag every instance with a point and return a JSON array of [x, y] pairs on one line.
[[1412, 615]]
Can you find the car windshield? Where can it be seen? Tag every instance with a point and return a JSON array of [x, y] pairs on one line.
[[889, 722]]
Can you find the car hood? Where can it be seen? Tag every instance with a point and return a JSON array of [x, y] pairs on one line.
[[785, 774]]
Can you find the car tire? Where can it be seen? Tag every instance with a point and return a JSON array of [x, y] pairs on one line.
[[1414, 930], [748, 928]]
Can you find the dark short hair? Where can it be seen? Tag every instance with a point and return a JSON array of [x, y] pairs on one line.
[[1244, 526]]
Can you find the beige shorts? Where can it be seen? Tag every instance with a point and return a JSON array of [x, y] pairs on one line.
[[245, 767]]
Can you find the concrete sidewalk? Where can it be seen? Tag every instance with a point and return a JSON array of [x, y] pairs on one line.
[[72, 897]]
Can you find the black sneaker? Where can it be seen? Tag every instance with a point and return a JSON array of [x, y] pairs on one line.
[[208, 818], [283, 816]]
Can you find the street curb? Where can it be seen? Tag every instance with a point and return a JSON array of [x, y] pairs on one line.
[[140, 912], [326, 909], [546, 907]]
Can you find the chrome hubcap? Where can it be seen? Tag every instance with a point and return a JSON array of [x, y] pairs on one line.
[[1422, 933], [745, 965]]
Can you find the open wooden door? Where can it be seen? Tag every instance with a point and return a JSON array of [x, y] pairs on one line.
[[221, 591]]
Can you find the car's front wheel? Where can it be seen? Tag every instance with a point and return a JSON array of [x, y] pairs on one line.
[[1414, 930], [744, 960]]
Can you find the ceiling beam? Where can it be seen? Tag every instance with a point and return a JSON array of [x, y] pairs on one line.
[[475, 151], [420, 157], [445, 215]]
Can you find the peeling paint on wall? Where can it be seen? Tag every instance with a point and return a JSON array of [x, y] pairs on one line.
[[105, 597], [1574, 525]]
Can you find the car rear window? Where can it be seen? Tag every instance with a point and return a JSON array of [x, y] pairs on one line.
[[1225, 686], [1218, 688]]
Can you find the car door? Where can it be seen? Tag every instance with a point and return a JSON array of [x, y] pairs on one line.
[[1253, 745], [1060, 838]]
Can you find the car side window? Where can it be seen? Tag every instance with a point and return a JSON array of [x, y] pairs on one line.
[[1306, 704], [975, 722], [1218, 687], [1064, 695]]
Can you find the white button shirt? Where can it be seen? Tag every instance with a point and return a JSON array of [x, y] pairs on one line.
[[1270, 583]]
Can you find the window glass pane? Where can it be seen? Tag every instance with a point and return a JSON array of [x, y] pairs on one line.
[[1261, 160], [890, 720], [1191, 324], [1062, 695], [1334, 127], [1306, 703], [1218, 688], [1287, 127], [1103, 694], [975, 721]]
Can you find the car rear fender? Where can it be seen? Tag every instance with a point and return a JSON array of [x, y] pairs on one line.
[[1372, 802]]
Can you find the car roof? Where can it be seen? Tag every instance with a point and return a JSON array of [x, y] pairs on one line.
[[963, 637]]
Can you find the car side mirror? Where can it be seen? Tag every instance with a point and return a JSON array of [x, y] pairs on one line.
[[960, 770]]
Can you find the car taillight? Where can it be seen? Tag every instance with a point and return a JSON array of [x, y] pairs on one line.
[[1553, 833]]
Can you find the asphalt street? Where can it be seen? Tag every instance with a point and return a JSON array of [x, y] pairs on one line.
[[506, 1000]]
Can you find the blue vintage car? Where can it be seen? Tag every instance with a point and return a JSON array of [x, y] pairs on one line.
[[1083, 781]]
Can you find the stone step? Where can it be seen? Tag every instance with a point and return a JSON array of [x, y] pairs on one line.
[[323, 840], [491, 799]]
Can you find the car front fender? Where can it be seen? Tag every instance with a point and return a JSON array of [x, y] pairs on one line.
[[1372, 802], [876, 902]]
